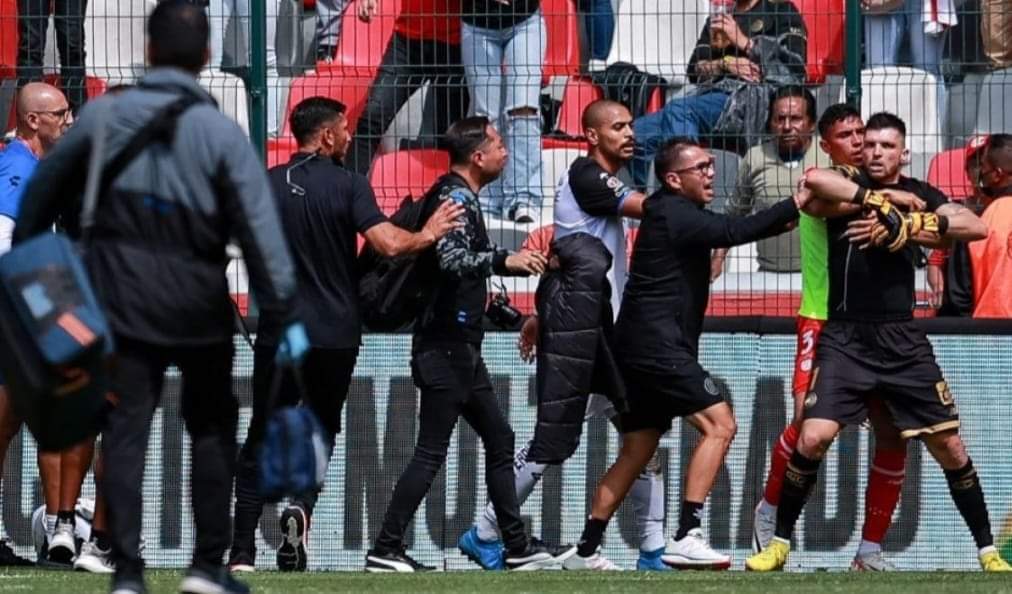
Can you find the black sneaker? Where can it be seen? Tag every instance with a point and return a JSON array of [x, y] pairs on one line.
[[8, 558], [395, 562], [46, 562], [217, 581], [128, 586], [536, 556], [294, 538], [241, 561]]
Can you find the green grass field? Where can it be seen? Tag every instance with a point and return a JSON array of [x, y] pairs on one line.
[[164, 582]]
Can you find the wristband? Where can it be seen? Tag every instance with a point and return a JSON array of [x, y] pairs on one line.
[[943, 225]]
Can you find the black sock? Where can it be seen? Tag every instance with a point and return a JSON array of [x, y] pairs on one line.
[[101, 539], [691, 517], [65, 517], [593, 534], [964, 486], [799, 479]]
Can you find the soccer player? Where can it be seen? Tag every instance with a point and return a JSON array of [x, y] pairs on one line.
[[842, 138], [590, 248], [869, 345], [657, 340]]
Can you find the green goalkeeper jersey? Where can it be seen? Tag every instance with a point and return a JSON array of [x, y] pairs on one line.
[[814, 268]]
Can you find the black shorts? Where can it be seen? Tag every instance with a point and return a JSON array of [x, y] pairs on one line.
[[659, 392], [893, 361]]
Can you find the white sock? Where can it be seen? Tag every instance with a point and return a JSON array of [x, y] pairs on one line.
[[647, 497], [765, 507], [50, 525], [986, 550], [528, 474], [868, 548]]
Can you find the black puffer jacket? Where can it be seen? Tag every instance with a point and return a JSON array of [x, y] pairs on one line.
[[574, 348]]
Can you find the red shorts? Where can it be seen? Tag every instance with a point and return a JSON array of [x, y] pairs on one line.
[[804, 356]]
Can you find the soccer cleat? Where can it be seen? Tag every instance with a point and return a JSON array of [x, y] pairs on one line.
[[764, 524], [486, 553], [94, 560], [218, 581], [537, 555], [596, 562], [693, 552], [871, 562], [294, 537], [991, 561], [62, 547], [241, 562], [772, 558], [651, 561], [393, 562], [8, 558]]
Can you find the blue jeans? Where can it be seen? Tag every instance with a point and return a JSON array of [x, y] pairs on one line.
[[599, 21], [503, 68], [689, 117]]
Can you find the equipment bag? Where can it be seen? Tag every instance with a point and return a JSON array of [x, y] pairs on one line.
[[628, 85], [294, 454]]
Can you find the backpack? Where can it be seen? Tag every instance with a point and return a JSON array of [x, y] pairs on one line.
[[293, 456], [393, 292], [630, 86]]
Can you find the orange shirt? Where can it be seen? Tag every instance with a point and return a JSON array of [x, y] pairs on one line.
[[429, 20], [991, 263]]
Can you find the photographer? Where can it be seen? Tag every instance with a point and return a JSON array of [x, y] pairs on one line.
[[446, 362]]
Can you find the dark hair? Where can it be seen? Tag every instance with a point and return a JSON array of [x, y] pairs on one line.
[[836, 113], [793, 92], [999, 151], [178, 34], [884, 120], [464, 137], [311, 114], [668, 155]]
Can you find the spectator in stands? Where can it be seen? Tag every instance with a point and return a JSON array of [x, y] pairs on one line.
[[68, 19], [425, 48], [996, 29], [328, 27], [599, 24], [737, 62], [770, 171], [503, 46], [991, 257]]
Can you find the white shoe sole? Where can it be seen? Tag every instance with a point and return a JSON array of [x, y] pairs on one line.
[[387, 566], [534, 564], [92, 564], [242, 568], [198, 585], [679, 562]]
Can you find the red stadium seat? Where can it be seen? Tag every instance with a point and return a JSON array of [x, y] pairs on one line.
[[947, 172], [280, 149], [351, 90], [562, 57], [402, 173], [361, 46], [824, 20], [8, 38]]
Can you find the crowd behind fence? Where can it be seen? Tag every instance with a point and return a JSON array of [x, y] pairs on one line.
[[406, 69]]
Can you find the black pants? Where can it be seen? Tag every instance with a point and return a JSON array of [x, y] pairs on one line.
[[407, 65], [454, 382], [326, 374], [68, 18], [210, 413]]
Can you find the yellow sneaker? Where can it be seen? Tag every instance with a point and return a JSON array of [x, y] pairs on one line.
[[772, 558], [992, 561]]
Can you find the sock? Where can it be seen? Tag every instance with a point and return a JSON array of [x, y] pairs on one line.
[[101, 539], [964, 486], [799, 479], [528, 475], [50, 525], [884, 484], [782, 450], [65, 517], [647, 497], [593, 534], [691, 517], [868, 547]]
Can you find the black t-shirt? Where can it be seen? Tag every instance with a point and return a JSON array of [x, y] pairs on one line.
[[874, 285], [490, 14], [321, 228]]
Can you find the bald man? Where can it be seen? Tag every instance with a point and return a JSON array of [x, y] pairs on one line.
[[43, 116]]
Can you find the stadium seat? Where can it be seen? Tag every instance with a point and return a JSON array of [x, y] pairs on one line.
[[993, 114], [554, 163], [562, 57], [361, 45], [8, 38], [948, 173], [658, 36], [726, 164], [909, 93], [578, 93], [351, 90], [115, 39], [824, 20], [402, 173], [230, 93], [961, 110], [280, 149]]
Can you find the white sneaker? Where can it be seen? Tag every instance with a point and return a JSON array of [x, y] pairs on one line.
[[596, 562], [94, 559], [525, 215], [693, 552], [62, 547], [764, 525], [871, 562]]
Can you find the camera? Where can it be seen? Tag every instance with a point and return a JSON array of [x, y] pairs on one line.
[[501, 311]]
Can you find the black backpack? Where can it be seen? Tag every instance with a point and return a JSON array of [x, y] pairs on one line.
[[392, 292], [630, 86]]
